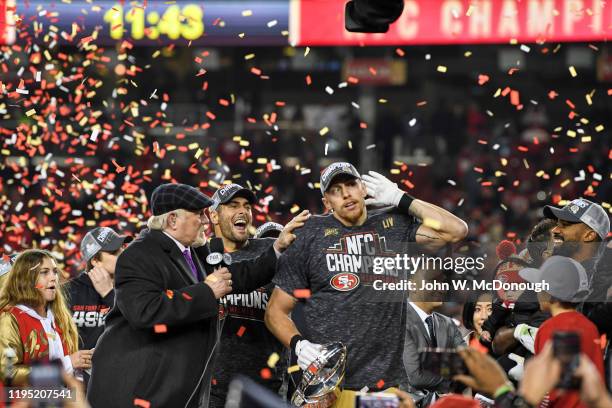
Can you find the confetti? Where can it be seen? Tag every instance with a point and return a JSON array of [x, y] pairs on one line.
[[265, 373], [241, 331], [573, 72], [301, 293], [142, 403], [273, 359], [160, 328]]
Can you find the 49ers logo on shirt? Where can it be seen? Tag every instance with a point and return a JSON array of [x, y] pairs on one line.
[[344, 281]]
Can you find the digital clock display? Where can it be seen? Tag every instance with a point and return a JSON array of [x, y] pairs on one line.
[[155, 22], [177, 21]]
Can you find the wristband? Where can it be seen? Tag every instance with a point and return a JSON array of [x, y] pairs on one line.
[[405, 202], [294, 341], [503, 389]]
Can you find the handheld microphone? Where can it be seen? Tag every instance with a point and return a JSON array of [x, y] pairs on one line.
[[217, 258]]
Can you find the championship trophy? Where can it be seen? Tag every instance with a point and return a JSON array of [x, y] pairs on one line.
[[320, 384]]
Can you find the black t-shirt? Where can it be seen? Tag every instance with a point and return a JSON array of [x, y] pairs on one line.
[[246, 343], [335, 263], [88, 308]]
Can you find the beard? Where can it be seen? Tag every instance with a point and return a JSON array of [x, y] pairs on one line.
[[567, 248], [228, 233], [201, 239], [351, 217]]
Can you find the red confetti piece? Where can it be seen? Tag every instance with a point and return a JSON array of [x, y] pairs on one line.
[[380, 383], [160, 328], [570, 104], [301, 293], [372, 71], [241, 331], [170, 294], [352, 80], [223, 102], [363, 125], [308, 80], [265, 373], [610, 91], [400, 52], [256, 71], [514, 98], [142, 403], [552, 95], [522, 149], [483, 79]]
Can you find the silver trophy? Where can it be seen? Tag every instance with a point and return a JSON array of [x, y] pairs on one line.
[[321, 380]]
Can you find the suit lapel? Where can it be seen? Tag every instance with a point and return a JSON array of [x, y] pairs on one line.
[[416, 320]]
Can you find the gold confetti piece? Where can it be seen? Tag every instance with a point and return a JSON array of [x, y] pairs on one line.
[[249, 56], [467, 54], [571, 133], [441, 68], [273, 359], [247, 13], [199, 153], [30, 112], [585, 139], [431, 223], [306, 51], [382, 100], [599, 128], [572, 71], [293, 369], [294, 209], [504, 161], [324, 131], [262, 160], [565, 183]]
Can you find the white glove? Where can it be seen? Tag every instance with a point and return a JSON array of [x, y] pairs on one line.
[[526, 335], [382, 190], [307, 352], [516, 372]]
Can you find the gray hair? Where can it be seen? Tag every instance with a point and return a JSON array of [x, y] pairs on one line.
[[160, 222]]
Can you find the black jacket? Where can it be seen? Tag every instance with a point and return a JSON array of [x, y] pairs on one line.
[[88, 309], [162, 330]]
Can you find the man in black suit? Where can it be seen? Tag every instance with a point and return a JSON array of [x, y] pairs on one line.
[[426, 328], [161, 333]]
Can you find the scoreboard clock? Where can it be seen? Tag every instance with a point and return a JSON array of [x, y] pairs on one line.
[[176, 21]]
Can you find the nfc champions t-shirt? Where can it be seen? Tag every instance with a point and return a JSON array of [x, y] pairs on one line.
[[246, 343], [336, 264]]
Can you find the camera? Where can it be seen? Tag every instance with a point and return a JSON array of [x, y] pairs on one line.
[[443, 362], [46, 374], [566, 348], [378, 400], [371, 16]]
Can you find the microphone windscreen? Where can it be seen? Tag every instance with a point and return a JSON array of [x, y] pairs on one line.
[[505, 249], [216, 245]]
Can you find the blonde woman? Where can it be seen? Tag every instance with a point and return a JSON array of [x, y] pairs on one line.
[[35, 323]]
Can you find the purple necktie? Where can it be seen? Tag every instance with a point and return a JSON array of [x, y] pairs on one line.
[[194, 270]]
